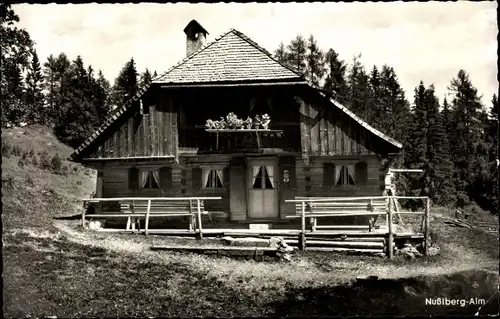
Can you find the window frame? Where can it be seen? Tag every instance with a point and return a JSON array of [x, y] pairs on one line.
[[150, 179], [213, 168]]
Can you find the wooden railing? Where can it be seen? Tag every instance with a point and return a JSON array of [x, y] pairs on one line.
[[163, 207], [331, 207], [224, 141]]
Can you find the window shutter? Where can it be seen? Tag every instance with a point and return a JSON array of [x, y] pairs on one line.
[[226, 177], [361, 171], [133, 178], [197, 179], [166, 178], [328, 174]]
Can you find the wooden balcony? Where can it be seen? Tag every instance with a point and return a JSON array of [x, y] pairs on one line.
[[203, 141]]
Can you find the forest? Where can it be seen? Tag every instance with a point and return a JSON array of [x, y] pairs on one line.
[[455, 141]]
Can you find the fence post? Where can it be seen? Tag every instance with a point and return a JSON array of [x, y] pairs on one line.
[[426, 230], [302, 238], [390, 239], [83, 215], [200, 228], [146, 226], [191, 217]]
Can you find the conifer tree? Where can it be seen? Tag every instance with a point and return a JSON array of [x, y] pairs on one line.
[[34, 97], [466, 135], [281, 54], [125, 86], [314, 57], [358, 96], [335, 81], [297, 53], [146, 78]]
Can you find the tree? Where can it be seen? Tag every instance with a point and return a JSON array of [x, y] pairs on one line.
[[15, 45], [358, 94], [281, 54], [146, 78], [297, 50], [125, 86], [56, 74], [34, 97], [102, 101], [335, 81], [315, 64], [427, 147], [466, 142]]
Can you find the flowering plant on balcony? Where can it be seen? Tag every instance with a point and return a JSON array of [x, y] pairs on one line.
[[233, 122]]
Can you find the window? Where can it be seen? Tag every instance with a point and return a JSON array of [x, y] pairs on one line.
[[150, 179], [263, 177], [213, 178], [339, 175], [345, 175]]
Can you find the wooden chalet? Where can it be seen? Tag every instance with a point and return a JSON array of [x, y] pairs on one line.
[[157, 145]]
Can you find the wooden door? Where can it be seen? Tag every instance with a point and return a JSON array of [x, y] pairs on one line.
[[262, 181]]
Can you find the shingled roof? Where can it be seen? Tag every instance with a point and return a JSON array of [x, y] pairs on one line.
[[231, 57]]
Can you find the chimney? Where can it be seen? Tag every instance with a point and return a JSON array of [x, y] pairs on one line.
[[195, 36]]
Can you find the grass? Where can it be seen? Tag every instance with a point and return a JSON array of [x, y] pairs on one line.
[[54, 268]]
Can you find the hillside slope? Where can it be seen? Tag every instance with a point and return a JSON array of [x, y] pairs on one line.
[[38, 183]]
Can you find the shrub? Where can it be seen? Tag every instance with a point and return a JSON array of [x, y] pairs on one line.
[[31, 153], [24, 155], [29, 181], [56, 163], [75, 168], [6, 149], [34, 161], [63, 170], [21, 163], [44, 162], [16, 150], [8, 181], [78, 182]]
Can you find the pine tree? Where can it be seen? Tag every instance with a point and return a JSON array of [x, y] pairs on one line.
[[281, 54], [315, 66], [102, 102], [34, 97], [426, 147], [146, 78], [125, 86], [335, 81], [155, 74], [359, 97], [466, 135], [56, 74], [15, 45], [297, 50]]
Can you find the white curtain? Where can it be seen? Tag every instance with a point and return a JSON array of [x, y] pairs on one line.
[[338, 168], [144, 178], [256, 170], [156, 176], [220, 175], [350, 170], [270, 174], [204, 178]]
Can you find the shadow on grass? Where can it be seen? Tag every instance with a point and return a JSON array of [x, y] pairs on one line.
[[397, 297]]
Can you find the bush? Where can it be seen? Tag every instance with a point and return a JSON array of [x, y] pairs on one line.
[[56, 163], [31, 153], [21, 163], [29, 181], [6, 149], [63, 170], [8, 181], [24, 156], [44, 162], [34, 161], [16, 150]]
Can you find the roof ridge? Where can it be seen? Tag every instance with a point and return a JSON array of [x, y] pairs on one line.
[[189, 57], [263, 50]]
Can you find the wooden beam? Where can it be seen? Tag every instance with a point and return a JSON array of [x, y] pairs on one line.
[[174, 86], [426, 230], [390, 235], [147, 198]]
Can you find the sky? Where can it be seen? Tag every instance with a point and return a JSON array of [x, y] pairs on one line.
[[428, 41]]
